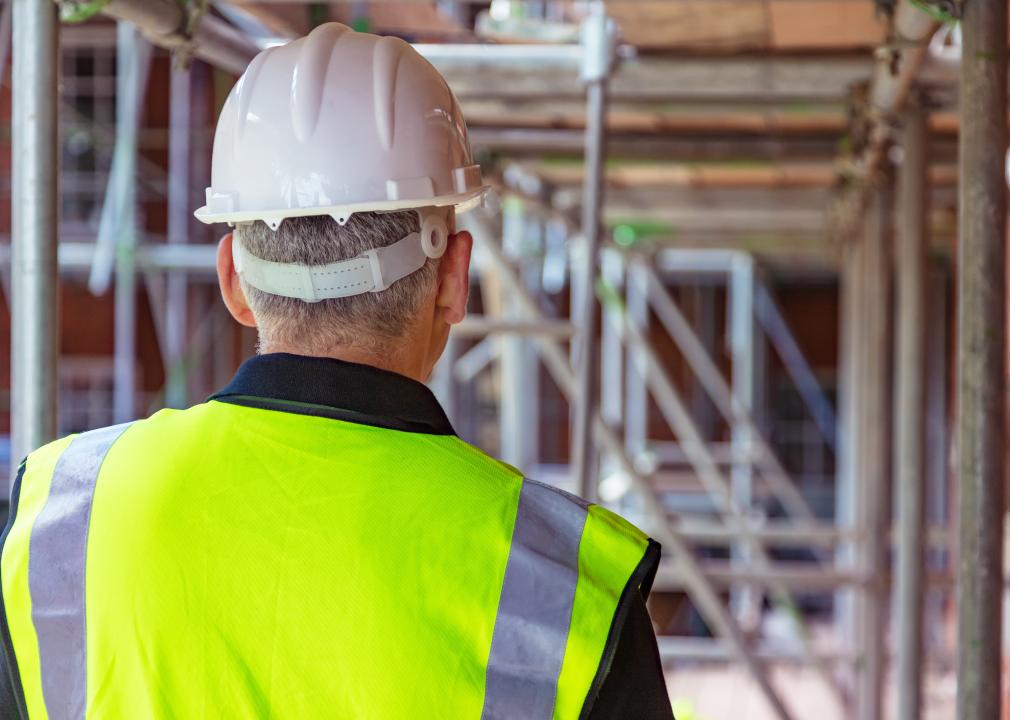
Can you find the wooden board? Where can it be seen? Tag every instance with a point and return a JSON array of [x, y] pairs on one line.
[[793, 79], [709, 25], [283, 21], [295, 17], [417, 22], [671, 175], [821, 25], [740, 25], [741, 123]]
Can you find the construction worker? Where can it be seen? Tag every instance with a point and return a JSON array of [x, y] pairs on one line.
[[314, 541]]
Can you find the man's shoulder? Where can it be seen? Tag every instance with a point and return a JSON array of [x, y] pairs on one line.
[[107, 436], [470, 458]]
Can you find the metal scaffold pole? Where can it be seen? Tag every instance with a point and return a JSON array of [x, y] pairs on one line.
[[746, 347], [872, 414], [636, 401], [165, 22], [598, 49], [517, 360], [981, 346], [911, 426], [132, 62], [846, 496], [178, 234], [34, 336]]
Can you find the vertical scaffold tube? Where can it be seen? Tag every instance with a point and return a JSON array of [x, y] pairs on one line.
[[981, 385], [34, 335], [596, 71], [911, 427]]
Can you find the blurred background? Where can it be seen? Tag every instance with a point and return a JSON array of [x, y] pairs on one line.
[[715, 289]]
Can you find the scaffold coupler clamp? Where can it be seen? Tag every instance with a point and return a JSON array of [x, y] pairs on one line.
[[598, 37]]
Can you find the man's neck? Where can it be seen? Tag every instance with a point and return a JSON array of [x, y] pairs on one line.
[[398, 362]]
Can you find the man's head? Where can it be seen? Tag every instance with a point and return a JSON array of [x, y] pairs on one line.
[[403, 327], [328, 148]]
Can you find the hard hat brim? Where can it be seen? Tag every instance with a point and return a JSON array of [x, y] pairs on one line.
[[462, 202]]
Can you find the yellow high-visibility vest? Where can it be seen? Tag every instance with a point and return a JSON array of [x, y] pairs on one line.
[[229, 561]]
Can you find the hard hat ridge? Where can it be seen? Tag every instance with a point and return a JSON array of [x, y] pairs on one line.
[[308, 80], [387, 59]]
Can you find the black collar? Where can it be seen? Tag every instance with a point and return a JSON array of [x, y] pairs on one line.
[[336, 389]]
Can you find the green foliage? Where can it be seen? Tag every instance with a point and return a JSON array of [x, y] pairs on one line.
[[940, 11], [630, 232], [609, 296], [512, 203], [683, 709], [75, 11], [319, 13]]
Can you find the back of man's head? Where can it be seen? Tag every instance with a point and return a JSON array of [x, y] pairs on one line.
[[373, 322], [341, 159]]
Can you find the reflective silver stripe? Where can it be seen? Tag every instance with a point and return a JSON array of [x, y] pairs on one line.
[[56, 558], [535, 608]]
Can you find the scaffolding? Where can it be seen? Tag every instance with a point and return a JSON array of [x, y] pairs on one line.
[[691, 491]]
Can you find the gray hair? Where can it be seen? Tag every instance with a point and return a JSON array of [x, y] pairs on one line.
[[371, 321]]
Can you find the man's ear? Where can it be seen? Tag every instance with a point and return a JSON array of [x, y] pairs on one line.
[[231, 288], [454, 278]]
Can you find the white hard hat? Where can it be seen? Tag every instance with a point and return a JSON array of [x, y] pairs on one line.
[[335, 123]]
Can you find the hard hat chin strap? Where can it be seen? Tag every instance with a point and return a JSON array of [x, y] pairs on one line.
[[373, 271]]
